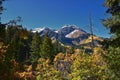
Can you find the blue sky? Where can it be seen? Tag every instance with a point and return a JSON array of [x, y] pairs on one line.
[[57, 13]]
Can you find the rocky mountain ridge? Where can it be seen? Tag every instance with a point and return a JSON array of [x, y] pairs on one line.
[[68, 34]]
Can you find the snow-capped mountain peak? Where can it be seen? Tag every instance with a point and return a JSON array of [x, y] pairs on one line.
[[38, 30], [68, 26], [56, 31], [66, 35]]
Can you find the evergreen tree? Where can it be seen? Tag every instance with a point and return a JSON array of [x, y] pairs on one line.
[[2, 26], [47, 50], [113, 46], [18, 38], [6, 55], [35, 47], [113, 22], [2, 32], [58, 47]]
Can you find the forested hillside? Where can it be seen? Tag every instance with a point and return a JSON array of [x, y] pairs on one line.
[[25, 55]]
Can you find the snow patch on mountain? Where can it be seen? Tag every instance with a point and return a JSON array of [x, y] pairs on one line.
[[68, 34], [38, 30], [56, 31], [75, 34], [66, 26]]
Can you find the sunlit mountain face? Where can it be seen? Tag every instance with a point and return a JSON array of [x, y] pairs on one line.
[[68, 34]]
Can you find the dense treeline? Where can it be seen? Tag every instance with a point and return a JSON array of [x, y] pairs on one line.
[[25, 55], [25, 47]]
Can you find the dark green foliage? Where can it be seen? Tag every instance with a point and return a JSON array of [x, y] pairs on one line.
[[1, 7], [7, 63], [113, 22], [6, 55], [2, 32], [58, 47], [47, 50], [112, 45], [113, 58], [35, 47], [18, 38], [111, 42], [113, 6]]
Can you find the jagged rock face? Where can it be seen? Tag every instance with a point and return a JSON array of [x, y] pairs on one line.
[[68, 34], [67, 29], [43, 31]]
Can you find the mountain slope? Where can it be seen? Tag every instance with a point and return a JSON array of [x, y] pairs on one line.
[[43, 31], [68, 34], [87, 42]]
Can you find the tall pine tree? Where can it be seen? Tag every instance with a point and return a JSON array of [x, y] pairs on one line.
[[47, 50], [2, 33], [113, 45], [113, 22], [35, 47], [6, 55]]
